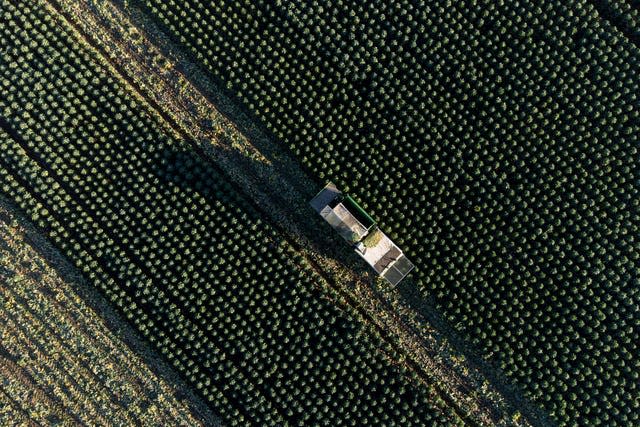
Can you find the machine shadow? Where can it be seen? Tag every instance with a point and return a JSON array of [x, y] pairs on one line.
[[263, 190]]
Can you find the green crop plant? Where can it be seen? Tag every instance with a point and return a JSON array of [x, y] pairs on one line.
[[178, 249], [499, 143]]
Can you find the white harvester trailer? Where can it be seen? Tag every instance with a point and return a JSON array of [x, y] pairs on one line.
[[360, 230]]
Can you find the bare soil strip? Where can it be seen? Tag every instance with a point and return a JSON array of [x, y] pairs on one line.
[[279, 189], [60, 359]]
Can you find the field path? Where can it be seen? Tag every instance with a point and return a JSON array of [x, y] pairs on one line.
[[280, 190]]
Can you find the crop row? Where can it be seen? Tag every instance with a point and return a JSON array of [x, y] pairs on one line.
[[178, 250], [89, 373], [497, 141]]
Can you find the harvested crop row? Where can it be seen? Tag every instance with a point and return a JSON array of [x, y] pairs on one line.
[[59, 361], [11, 412], [179, 250]]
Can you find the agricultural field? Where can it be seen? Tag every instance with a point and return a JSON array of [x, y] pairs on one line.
[[497, 141], [167, 150], [185, 255], [61, 361]]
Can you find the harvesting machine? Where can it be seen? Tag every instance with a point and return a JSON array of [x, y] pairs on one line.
[[358, 228]]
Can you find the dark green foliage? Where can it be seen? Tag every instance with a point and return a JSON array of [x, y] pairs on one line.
[[499, 141], [623, 14], [178, 250]]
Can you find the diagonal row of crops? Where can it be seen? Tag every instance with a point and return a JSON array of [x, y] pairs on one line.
[[498, 141], [60, 364], [181, 253]]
